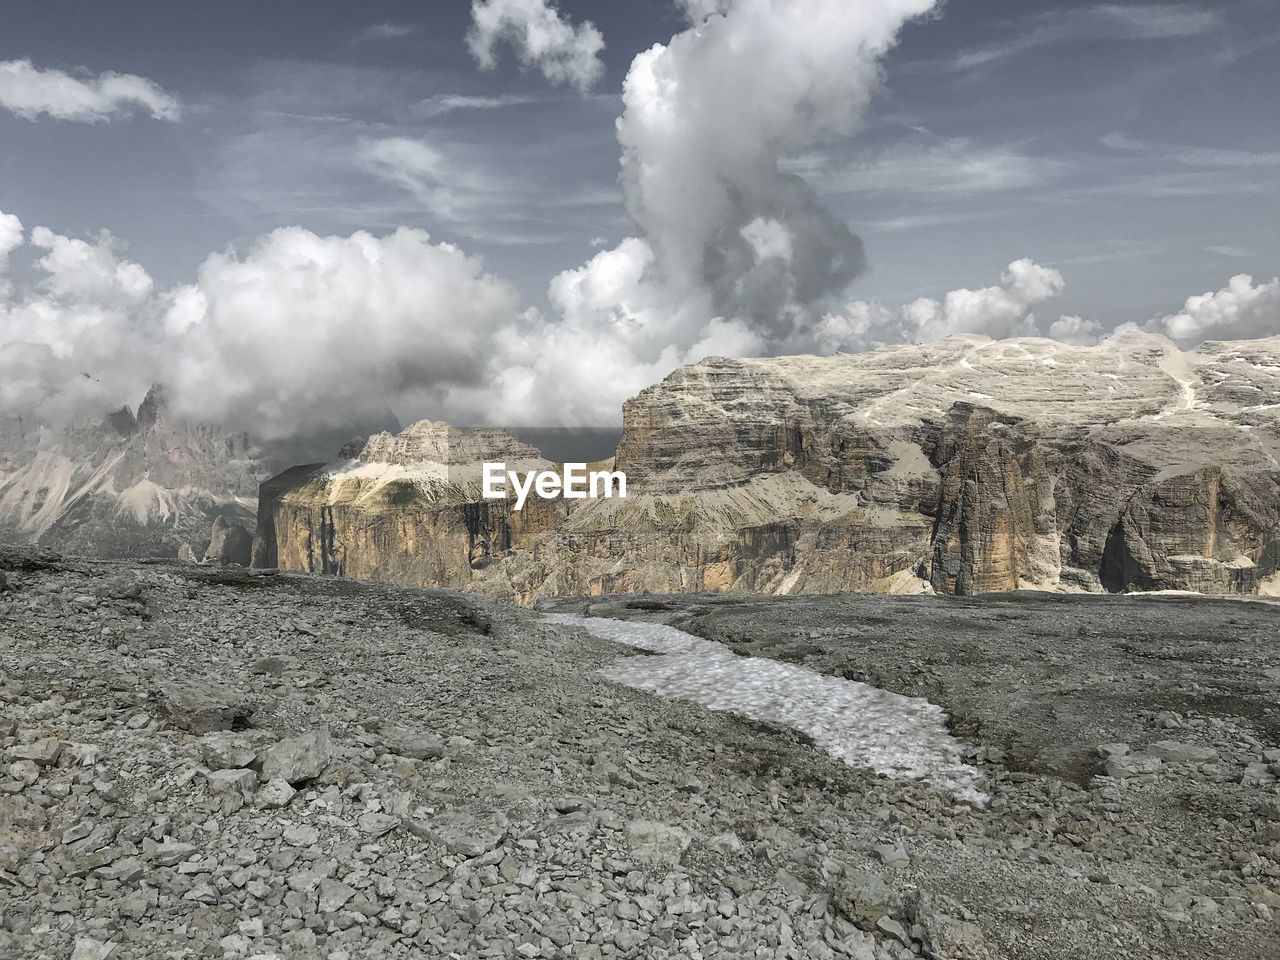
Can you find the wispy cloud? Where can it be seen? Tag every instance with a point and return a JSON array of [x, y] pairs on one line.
[[957, 166], [386, 30], [1234, 253], [1107, 21], [444, 103], [447, 188], [1192, 156], [31, 92]]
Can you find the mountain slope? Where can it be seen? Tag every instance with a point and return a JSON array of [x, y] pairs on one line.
[[131, 485]]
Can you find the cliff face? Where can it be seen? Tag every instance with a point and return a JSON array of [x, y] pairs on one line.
[[960, 467], [132, 485], [405, 508]]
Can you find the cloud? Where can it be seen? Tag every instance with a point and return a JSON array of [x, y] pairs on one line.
[[445, 103], [956, 166], [387, 30], [307, 331], [1075, 329], [1228, 250], [422, 169], [77, 338], [998, 311], [1239, 311], [1098, 22], [733, 254], [1212, 157], [563, 52], [31, 92], [11, 237], [301, 332]]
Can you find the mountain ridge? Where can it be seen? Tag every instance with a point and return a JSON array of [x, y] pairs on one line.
[[960, 466]]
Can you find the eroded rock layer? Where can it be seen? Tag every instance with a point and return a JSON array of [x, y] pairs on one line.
[[959, 467]]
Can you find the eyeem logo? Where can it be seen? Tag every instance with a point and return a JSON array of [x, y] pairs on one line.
[[575, 484]]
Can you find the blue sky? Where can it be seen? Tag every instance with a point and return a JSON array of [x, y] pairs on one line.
[[1143, 161], [1130, 146]]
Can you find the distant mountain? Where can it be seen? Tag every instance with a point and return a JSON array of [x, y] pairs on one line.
[[957, 467], [131, 485]]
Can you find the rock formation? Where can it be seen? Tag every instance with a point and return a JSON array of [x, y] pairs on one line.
[[404, 508], [131, 485], [960, 467]]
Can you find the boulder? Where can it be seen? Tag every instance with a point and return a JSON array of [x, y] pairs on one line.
[[298, 759]]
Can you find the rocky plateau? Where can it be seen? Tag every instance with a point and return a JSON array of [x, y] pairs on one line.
[[960, 467]]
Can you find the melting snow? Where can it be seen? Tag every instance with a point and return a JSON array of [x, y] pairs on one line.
[[904, 738]]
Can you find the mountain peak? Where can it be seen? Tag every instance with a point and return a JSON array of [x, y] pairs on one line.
[[154, 410]]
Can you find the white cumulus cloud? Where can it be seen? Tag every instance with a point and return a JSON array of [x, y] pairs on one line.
[[306, 331], [564, 52], [1075, 329], [1242, 310], [31, 92], [1003, 310], [78, 337], [301, 332]]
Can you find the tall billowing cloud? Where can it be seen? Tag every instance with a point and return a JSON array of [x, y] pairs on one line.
[[541, 37], [1239, 311], [998, 311], [31, 92], [707, 120], [734, 254]]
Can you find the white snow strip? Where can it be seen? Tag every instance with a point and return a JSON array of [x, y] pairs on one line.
[[903, 738]]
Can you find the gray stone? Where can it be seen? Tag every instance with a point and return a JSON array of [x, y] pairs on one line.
[[1132, 765], [232, 781], [274, 794], [334, 895], [415, 745], [227, 751], [377, 824], [298, 759], [657, 844], [43, 753], [201, 707], [469, 833], [863, 898], [1171, 751]]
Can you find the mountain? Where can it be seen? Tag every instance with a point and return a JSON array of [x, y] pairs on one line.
[[957, 467], [131, 485], [404, 507]]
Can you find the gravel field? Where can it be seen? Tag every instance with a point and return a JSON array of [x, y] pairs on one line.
[[202, 762]]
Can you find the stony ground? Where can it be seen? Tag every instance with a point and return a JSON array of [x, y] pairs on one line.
[[212, 763]]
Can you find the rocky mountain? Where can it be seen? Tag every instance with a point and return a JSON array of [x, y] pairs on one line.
[[407, 508], [141, 484], [957, 467]]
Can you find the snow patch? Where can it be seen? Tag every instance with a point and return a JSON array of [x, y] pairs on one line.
[[903, 738]]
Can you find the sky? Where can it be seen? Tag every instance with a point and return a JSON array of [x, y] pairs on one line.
[[509, 209]]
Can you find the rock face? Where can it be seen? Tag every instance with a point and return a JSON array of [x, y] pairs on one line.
[[229, 543], [132, 485], [960, 467], [405, 508]]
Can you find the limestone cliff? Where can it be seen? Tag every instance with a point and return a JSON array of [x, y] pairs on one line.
[[405, 508], [963, 466]]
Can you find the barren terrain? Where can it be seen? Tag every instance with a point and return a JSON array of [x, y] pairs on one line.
[[209, 762]]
